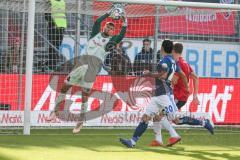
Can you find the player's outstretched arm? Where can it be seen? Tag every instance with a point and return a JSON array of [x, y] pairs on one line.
[[175, 79], [162, 71], [159, 74], [118, 38], [97, 24], [195, 88], [184, 78]]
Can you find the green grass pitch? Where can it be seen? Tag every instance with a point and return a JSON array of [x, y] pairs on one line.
[[100, 144]]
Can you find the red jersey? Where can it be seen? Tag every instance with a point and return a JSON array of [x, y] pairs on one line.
[[180, 92]]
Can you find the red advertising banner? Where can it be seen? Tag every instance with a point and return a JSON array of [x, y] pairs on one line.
[[138, 26], [198, 21], [218, 97], [183, 20]]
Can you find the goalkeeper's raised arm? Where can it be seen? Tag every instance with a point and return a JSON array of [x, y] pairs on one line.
[[118, 38], [97, 25]]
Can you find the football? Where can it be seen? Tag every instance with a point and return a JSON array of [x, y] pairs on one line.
[[117, 13]]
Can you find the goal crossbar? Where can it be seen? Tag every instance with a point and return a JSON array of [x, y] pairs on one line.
[[179, 3]]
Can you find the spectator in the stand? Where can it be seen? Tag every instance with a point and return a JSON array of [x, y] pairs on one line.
[[10, 61], [118, 62], [144, 60], [57, 23]]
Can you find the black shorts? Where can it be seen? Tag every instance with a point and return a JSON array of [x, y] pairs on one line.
[[180, 104]]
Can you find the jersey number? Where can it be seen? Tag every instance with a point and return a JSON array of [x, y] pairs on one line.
[[168, 109]]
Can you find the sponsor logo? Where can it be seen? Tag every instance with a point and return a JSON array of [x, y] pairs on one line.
[[134, 96], [199, 15], [9, 118], [112, 100], [214, 103]]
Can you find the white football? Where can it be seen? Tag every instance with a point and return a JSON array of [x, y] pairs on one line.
[[117, 14]]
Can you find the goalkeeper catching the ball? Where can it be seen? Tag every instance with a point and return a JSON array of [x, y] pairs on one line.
[[84, 74]]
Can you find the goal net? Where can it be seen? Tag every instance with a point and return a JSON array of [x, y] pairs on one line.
[[209, 32]]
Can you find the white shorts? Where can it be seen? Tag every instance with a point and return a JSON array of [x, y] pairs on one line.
[[77, 77], [157, 104]]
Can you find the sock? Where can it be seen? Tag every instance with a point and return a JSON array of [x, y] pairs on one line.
[[166, 124], [141, 128], [190, 121], [157, 128], [84, 107], [83, 111], [58, 101]]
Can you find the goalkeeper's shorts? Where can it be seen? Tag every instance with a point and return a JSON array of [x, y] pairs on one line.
[[81, 76]]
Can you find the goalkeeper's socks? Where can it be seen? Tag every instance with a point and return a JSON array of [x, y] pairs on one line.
[[141, 128], [190, 121], [84, 107]]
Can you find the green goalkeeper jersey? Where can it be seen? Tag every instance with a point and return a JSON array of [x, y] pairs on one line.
[[97, 42]]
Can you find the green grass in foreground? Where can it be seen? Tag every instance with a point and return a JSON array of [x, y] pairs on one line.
[[92, 144]]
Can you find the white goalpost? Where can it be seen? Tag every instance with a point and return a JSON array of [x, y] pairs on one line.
[[29, 65], [35, 58]]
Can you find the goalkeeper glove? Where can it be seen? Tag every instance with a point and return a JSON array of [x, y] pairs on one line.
[[110, 12]]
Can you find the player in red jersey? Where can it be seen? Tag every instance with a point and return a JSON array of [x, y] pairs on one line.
[[181, 95], [180, 92]]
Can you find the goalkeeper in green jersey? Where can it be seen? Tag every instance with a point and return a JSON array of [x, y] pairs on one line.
[[90, 63]]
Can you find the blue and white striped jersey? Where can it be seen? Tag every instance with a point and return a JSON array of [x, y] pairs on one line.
[[167, 64]]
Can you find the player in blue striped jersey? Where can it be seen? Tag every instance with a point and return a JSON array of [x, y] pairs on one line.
[[162, 103]]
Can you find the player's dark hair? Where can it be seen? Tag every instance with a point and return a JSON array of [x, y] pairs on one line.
[[110, 24], [167, 46], [178, 47], [147, 40]]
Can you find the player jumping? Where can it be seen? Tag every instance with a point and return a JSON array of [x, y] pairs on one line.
[[90, 64]]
